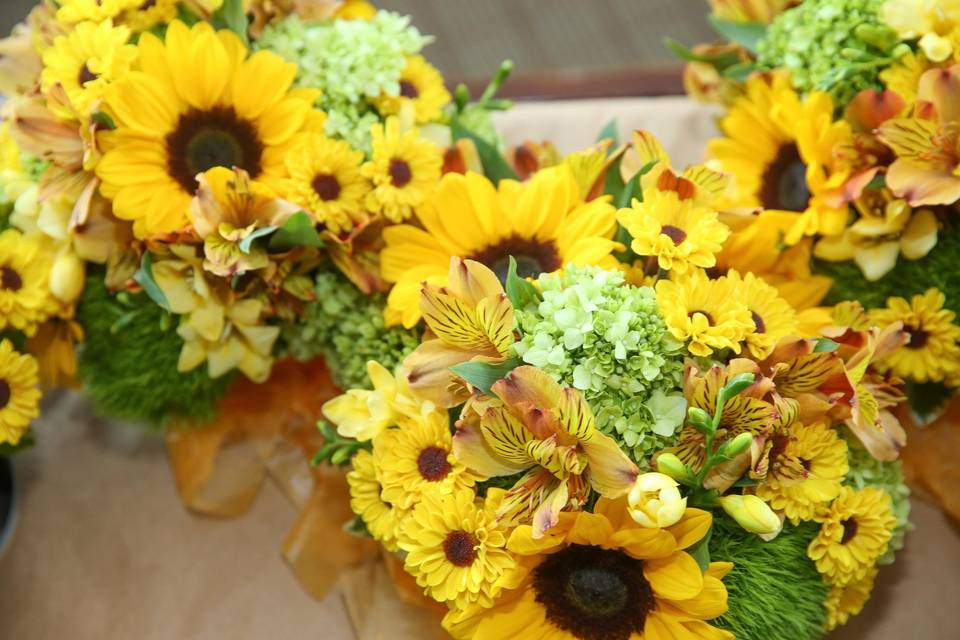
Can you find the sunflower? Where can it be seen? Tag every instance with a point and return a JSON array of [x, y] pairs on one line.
[[381, 518], [844, 602], [823, 455], [855, 533], [455, 548], [325, 180], [601, 576], [74, 11], [403, 170], [781, 152], [86, 61], [773, 318], [144, 14], [422, 85], [543, 223], [706, 314], [19, 396], [931, 353], [417, 456], [197, 101], [680, 233], [25, 298]]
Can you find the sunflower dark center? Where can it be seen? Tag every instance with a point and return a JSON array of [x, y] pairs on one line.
[[10, 279], [760, 326], [433, 465], [784, 183], [593, 593], [533, 257], [5, 393], [400, 173], [217, 137], [86, 75], [918, 337], [849, 530], [676, 234], [327, 186], [408, 89], [458, 546], [806, 464], [706, 315], [149, 4]]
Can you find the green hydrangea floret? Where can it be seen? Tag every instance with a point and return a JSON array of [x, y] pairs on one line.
[[596, 333], [346, 326]]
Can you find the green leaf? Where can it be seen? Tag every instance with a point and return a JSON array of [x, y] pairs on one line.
[[357, 527], [632, 189], [103, 119], [824, 345], [144, 277], [519, 290], [613, 183], [495, 165], [701, 551], [719, 60], [927, 400], [247, 243], [337, 450], [231, 16], [747, 34], [609, 132], [740, 71], [878, 182], [482, 375], [297, 231]]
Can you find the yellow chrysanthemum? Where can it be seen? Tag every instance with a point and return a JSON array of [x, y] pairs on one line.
[[85, 61], [197, 101], [25, 298], [19, 396], [706, 314], [417, 456], [772, 316], [325, 180], [455, 548], [855, 533], [381, 518], [932, 353], [403, 169], [145, 14], [74, 11], [599, 576], [903, 76], [55, 344], [544, 223], [780, 151], [823, 455], [678, 231], [420, 84], [844, 602]]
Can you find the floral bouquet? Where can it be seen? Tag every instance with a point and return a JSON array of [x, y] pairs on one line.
[[607, 431], [840, 123]]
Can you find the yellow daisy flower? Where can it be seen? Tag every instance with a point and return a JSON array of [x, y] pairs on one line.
[[599, 576], [823, 455], [772, 316], [903, 76], [844, 602], [422, 85], [145, 14], [74, 11], [780, 151], [25, 298], [416, 457], [403, 169], [706, 314], [85, 61], [19, 396], [544, 223], [325, 180], [675, 229], [197, 101], [382, 518], [455, 548], [932, 352], [856, 531], [55, 344]]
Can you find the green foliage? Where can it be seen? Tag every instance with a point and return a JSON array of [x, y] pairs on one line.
[[129, 360], [483, 375], [27, 441], [495, 165], [774, 589], [747, 34], [298, 231], [336, 450]]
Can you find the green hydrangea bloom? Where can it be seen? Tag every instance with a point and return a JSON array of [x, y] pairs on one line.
[[351, 61], [838, 46], [867, 471], [604, 337], [346, 327]]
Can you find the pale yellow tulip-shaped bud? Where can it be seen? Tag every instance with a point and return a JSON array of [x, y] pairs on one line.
[[751, 513], [66, 277], [655, 501]]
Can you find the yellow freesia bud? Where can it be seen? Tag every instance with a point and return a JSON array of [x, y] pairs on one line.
[[670, 465], [751, 513], [66, 277], [655, 501]]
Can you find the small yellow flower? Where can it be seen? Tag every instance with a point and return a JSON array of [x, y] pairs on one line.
[[772, 317], [25, 297], [382, 518], [751, 513], [934, 23], [144, 14], [404, 168], [92, 11], [19, 395], [655, 501], [903, 76], [846, 601], [420, 84]]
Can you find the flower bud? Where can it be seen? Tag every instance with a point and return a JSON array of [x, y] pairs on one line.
[[66, 277], [700, 419], [670, 465], [655, 501], [733, 448], [751, 513]]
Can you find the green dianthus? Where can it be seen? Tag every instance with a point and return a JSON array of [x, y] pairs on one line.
[[604, 337]]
